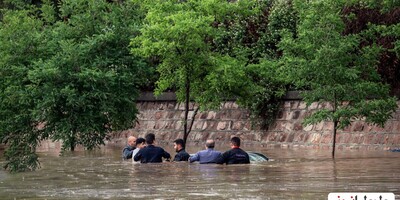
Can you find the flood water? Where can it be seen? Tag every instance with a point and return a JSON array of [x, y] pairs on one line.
[[290, 174]]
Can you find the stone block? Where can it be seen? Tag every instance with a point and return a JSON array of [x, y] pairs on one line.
[[288, 127], [313, 106], [290, 138], [237, 125], [346, 138], [171, 105], [202, 115], [319, 126], [357, 127], [328, 126], [245, 115], [325, 105], [158, 125], [299, 137], [283, 137], [211, 115], [205, 125], [378, 138], [289, 115], [369, 139], [307, 137], [198, 125], [297, 126], [281, 114], [315, 138], [162, 106], [287, 104], [190, 114], [308, 127], [294, 104], [212, 125], [221, 114], [302, 105], [172, 114], [235, 114], [296, 114], [347, 128], [222, 125], [151, 124], [377, 129], [235, 105], [278, 126], [178, 125], [272, 137], [396, 140], [387, 138], [247, 126], [158, 115], [326, 138], [396, 127]]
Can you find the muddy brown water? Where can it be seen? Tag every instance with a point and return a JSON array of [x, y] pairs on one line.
[[290, 174]]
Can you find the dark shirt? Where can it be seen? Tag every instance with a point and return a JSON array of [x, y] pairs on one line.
[[234, 156], [127, 152], [182, 155], [151, 154]]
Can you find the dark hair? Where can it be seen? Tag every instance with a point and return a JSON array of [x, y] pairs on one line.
[[235, 141], [140, 141], [150, 138], [179, 142], [210, 144]]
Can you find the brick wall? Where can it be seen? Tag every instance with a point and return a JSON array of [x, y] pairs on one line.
[[164, 118]]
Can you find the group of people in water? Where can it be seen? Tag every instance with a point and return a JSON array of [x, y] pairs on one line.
[[143, 150]]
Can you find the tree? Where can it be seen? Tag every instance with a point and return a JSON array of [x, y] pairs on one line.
[[20, 46], [335, 68], [180, 35], [74, 79], [90, 85]]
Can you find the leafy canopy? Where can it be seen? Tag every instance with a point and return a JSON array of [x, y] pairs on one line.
[[335, 68], [67, 75]]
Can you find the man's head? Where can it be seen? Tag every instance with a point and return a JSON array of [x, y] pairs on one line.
[[235, 142], [132, 141], [140, 143], [178, 145], [150, 138], [210, 144]]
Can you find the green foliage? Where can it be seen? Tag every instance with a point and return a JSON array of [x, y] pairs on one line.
[[19, 36], [72, 79], [178, 33], [253, 39], [335, 68]]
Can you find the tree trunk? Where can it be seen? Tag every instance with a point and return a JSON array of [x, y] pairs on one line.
[[335, 122], [187, 101], [334, 137], [72, 142]]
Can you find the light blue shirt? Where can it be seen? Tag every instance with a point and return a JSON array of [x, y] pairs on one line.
[[206, 156]]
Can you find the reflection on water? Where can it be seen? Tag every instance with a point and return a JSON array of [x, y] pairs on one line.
[[290, 174]]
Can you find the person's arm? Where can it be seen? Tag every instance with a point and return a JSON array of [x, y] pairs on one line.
[[166, 155], [222, 158], [194, 158], [126, 153], [138, 156]]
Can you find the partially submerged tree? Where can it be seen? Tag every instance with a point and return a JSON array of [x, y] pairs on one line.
[[20, 42], [68, 78], [89, 85], [335, 68], [180, 34]]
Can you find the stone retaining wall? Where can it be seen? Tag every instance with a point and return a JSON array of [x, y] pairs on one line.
[[164, 118]]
